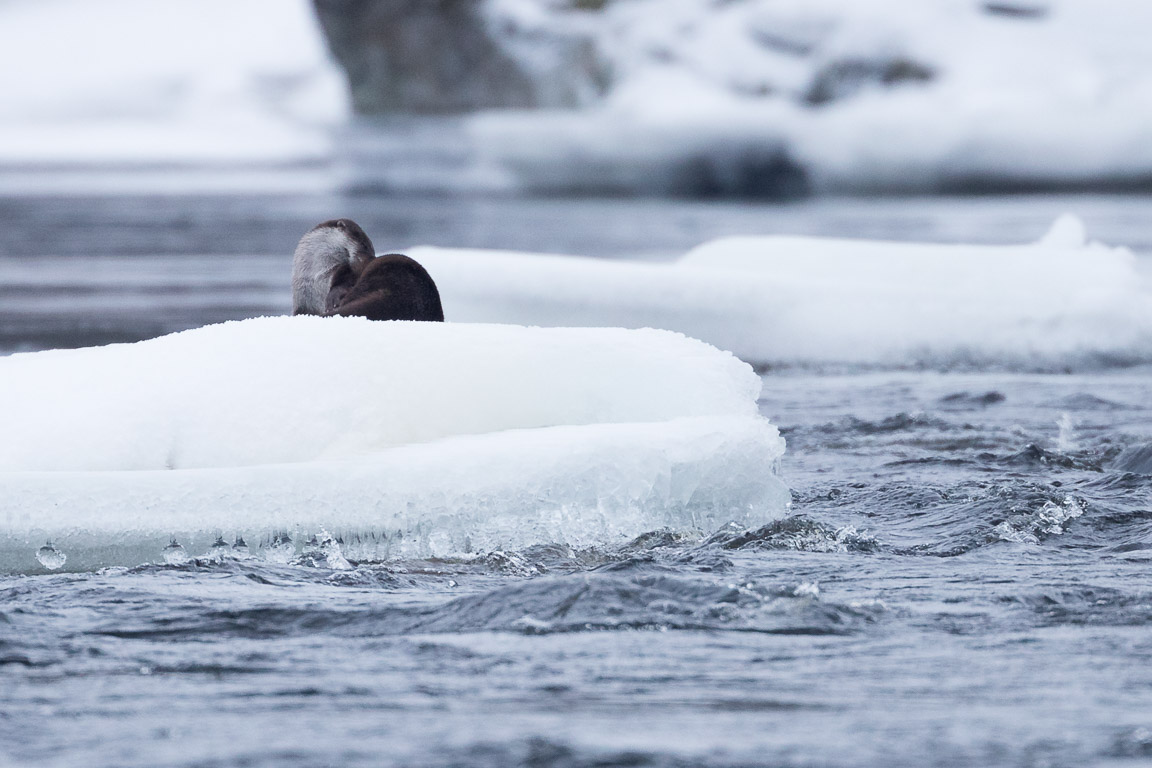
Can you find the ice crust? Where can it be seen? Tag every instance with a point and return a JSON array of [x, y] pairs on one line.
[[394, 438], [1056, 303]]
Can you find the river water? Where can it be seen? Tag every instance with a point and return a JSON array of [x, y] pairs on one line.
[[964, 577]]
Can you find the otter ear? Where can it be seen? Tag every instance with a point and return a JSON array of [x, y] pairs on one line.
[[360, 249]]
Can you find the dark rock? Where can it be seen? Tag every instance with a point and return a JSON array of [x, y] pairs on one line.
[[964, 400], [1009, 10], [753, 172], [448, 56], [846, 77]]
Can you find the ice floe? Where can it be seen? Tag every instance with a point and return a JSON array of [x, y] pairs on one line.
[[387, 439], [1061, 302]]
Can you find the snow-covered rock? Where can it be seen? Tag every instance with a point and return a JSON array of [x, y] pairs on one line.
[[839, 95]]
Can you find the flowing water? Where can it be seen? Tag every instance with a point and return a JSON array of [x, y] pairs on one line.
[[964, 577]]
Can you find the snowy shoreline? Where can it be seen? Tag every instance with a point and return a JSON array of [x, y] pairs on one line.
[[755, 99]]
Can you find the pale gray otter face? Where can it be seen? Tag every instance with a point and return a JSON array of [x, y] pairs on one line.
[[330, 256]]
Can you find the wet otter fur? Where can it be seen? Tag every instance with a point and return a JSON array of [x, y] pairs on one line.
[[335, 272]]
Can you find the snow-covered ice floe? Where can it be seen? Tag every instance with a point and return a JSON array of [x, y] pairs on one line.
[[391, 439], [1058, 303]]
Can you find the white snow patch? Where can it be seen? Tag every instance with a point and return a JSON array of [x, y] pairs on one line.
[[277, 390], [204, 81]]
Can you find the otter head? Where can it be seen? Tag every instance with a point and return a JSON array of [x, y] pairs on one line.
[[328, 259]]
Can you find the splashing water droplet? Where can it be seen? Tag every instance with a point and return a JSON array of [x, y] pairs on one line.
[[280, 550], [323, 551], [1065, 438], [310, 555], [175, 554], [217, 553], [807, 589], [333, 555], [50, 557]]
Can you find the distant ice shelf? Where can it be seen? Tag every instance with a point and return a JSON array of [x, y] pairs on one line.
[[383, 439]]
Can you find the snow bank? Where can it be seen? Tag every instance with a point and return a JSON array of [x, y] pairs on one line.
[[761, 98], [791, 300], [770, 98], [889, 94], [398, 438]]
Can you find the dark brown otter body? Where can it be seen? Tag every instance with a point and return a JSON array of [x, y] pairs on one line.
[[335, 272], [391, 287]]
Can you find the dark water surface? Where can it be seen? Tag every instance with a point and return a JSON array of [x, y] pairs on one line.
[[964, 579], [78, 271]]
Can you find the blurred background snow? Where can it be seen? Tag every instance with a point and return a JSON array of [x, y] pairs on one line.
[[166, 156], [184, 80], [751, 98]]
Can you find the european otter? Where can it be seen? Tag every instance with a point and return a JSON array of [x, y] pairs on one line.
[[335, 272]]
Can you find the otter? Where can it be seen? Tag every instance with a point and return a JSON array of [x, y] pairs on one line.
[[335, 271]]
